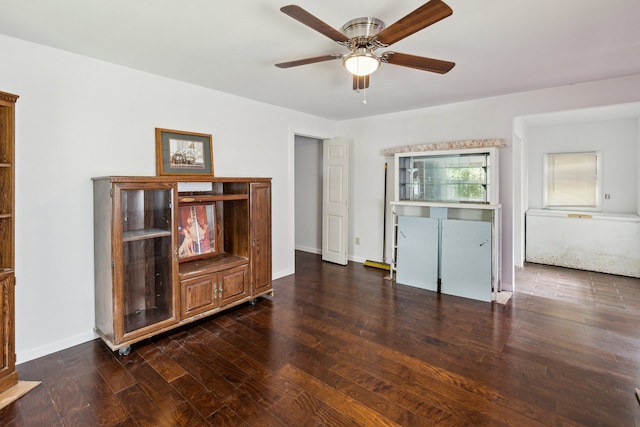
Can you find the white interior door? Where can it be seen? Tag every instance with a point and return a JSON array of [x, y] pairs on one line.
[[335, 200]]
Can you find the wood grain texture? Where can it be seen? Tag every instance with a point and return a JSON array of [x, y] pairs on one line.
[[8, 373], [342, 346]]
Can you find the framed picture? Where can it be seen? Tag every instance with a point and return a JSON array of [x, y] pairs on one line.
[[183, 153], [196, 231]]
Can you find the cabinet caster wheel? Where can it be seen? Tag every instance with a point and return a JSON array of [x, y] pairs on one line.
[[254, 301], [124, 351]]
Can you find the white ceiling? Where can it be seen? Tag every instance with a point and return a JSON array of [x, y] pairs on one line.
[[499, 46]]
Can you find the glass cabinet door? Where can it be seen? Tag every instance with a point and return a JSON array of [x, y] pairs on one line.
[[455, 178], [147, 257]]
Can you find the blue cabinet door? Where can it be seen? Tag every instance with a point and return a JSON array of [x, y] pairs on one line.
[[465, 269], [417, 255]]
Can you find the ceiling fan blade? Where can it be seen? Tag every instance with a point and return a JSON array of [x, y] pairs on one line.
[[301, 15], [427, 14], [360, 82], [309, 60], [417, 62]]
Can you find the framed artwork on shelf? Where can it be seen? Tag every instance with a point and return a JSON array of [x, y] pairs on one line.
[[196, 231], [183, 153]]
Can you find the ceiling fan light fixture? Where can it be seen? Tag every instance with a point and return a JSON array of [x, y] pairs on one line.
[[361, 62]]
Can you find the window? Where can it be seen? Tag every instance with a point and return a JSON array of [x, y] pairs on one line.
[[572, 180]]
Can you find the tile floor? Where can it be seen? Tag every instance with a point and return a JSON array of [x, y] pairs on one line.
[[583, 287]]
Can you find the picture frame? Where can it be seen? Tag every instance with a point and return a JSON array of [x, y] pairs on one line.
[[183, 153], [197, 236]]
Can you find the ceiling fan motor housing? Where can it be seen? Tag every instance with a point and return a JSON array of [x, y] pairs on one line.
[[363, 27], [362, 30]]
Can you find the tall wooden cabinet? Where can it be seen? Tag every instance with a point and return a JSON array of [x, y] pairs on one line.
[[8, 373], [152, 273], [260, 237]]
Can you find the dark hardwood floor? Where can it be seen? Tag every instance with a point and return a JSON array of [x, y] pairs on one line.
[[342, 346]]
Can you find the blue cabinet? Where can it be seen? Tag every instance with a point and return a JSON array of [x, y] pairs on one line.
[[466, 259], [418, 252], [447, 216], [452, 251]]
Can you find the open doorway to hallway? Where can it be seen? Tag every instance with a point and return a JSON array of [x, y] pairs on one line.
[[308, 194]]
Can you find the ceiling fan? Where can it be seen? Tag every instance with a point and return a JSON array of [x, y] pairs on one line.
[[363, 36]]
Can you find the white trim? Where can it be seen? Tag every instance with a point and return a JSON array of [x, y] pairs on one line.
[[291, 189], [52, 347], [317, 251]]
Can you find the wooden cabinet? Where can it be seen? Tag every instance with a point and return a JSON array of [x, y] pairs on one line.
[[8, 373], [135, 265], [260, 237], [171, 250], [210, 284]]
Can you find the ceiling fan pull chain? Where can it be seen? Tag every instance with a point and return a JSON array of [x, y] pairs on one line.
[[364, 96]]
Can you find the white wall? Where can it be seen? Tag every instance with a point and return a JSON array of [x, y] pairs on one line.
[[78, 118], [308, 194], [617, 140], [484, 118], [520, 180], [638, 163]]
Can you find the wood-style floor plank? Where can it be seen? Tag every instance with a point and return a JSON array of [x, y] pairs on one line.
[[342, 346]]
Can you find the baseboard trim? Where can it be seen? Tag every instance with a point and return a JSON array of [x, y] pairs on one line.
[[34, 353]]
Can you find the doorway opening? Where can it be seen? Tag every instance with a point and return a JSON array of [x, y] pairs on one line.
[[308, 194]]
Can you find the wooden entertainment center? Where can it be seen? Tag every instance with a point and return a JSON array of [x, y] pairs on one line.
[[171, 250]]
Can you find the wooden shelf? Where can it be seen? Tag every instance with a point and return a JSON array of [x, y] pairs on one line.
[[144, 318], [212, 198], [209, 265]]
